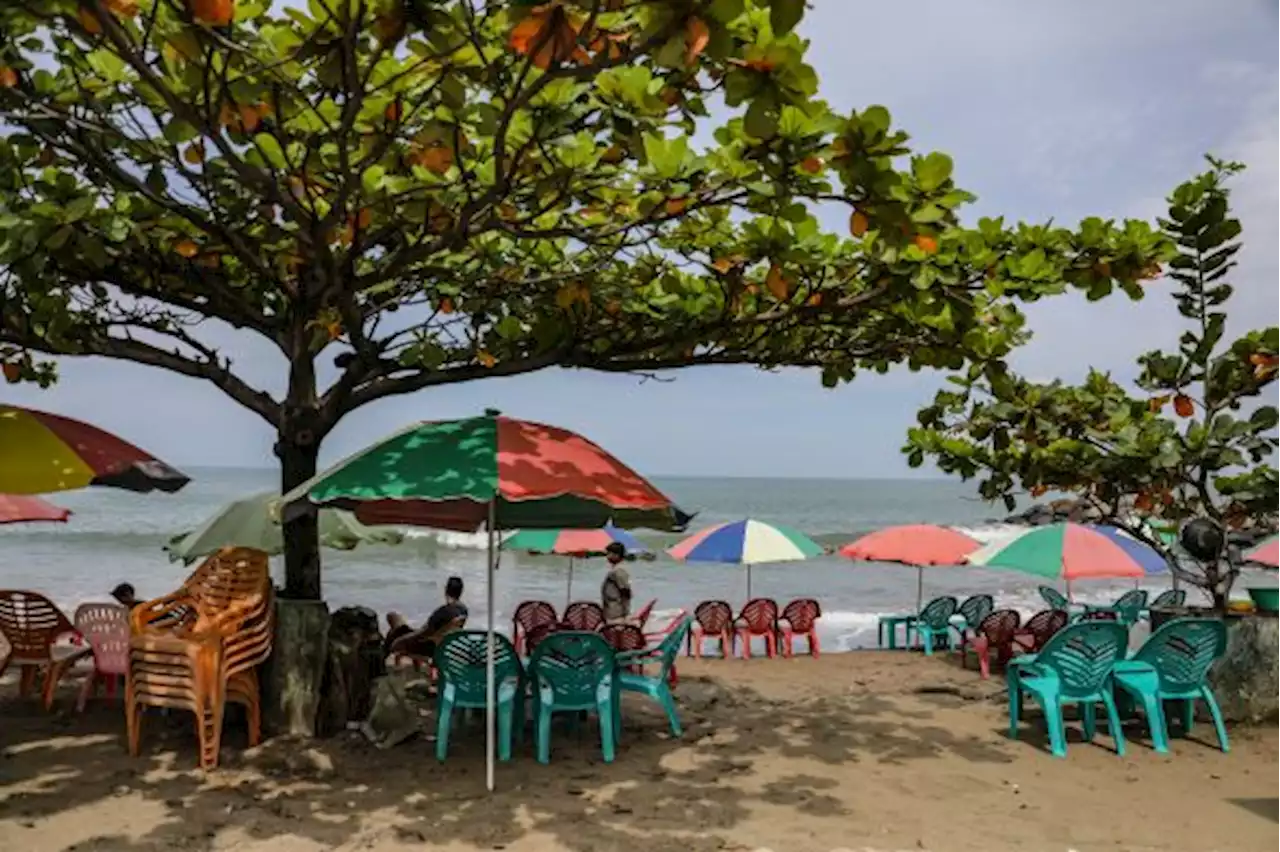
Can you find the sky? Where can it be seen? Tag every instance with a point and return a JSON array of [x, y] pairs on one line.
[[1049, 110]]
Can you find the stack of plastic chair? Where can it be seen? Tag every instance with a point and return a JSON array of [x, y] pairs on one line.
[[200, 647], [106, 628]]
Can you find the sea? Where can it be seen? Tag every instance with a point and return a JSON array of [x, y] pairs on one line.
[[116, 536]]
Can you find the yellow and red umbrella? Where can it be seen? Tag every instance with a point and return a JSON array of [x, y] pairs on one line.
[[20, 508], [42, 452]]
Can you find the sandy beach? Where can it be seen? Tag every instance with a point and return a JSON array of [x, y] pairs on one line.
[[863, 751]]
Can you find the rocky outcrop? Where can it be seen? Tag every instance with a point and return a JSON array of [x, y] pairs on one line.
[[1245, 679]]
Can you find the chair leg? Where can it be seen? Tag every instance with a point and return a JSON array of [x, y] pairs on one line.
[[506, 711], [85, 689], [607, 716], [1153, 709], [1188, 715], [669, 705], [1113, 721], [444, 721], [1089, 720], [26, 679], [1053, 721], [1015, 701], [544, 735], [1216, 714], [926, 639]]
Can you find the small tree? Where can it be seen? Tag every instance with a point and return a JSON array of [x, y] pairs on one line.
[[439, 192], [1175, 447]]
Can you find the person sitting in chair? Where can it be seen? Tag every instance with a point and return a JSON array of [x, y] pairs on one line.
[[402, 639]]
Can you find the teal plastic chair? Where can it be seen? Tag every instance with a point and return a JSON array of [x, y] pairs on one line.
[[1173, 665], [1054, 598], [1127, 608], [1074, 667], [970, 614], [933, 626], [1168, 599], [657, 687], [574, 671], [460, 659]]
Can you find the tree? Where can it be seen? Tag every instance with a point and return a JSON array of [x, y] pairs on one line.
[[1176, 446], [438, 192]]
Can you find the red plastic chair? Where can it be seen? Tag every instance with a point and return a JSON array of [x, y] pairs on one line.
[[712, 620], [530, 615], [758, 618], [800, 618], [1038, 630], [994, 635], [106, 628], [535, 636], [642, 617], [583, 615], [32, 625]]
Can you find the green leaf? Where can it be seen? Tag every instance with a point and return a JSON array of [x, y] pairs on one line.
[[784, 15], [760, 121], [271, 150], [932, 171]]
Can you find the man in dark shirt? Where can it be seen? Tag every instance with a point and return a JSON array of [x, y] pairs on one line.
[[615, 591], [402, 639]]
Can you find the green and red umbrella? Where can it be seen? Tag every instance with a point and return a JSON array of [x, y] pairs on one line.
[[42, 453], [1070, 552], [493, 472], [575, 544], [452, 474]]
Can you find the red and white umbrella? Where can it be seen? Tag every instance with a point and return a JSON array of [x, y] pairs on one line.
[[20, 508]]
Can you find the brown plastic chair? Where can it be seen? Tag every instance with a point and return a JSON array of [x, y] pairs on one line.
[[1038, 629], [583, 615], [32, 626], [200, 647], [993, 639], [530, 615]]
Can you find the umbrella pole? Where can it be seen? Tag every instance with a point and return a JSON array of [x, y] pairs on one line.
[[491, 650], [1069, 599], [568, 592], [748, 581]]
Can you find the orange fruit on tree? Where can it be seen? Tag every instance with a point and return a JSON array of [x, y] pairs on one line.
[[676, 206], [811, 165], [8, 77], [777, 283], [485, 359], [446, 305], [858, 223], [926, 243], [215, 13], [1183, 405], [186, 248], [12, 372]]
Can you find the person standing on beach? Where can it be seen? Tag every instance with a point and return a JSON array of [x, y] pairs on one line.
[[615, 591]]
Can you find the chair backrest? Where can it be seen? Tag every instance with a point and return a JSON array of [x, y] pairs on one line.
[[1100, 615], [532, 614], [1044, 624], [1169, 599], [1132, 599], [977, 607], [31, 623], [999, 626], [1054, 598], [1182, 651], [623, 637], [713, 616], [671, 644], [461, 659], [760, 615], [570, 666], [937, 612], [642, 617], [231, 574], [106, 628], [1082, 654], [583, 615], [535, 636], [801, 614]]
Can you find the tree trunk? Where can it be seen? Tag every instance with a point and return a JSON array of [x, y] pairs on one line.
[[301, 534]]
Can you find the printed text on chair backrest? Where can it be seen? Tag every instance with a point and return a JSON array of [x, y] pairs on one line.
[[801, 614], [1182, 651], [583, 615]]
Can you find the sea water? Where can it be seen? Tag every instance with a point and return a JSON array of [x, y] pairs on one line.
[[115, 536]]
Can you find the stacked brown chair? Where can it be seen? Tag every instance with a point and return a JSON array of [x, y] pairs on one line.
[[201, 646]]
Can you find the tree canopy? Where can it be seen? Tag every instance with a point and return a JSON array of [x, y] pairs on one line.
[[1191, 438], [433, 191]]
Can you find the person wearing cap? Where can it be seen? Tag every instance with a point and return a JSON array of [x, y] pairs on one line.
[[615, 591]]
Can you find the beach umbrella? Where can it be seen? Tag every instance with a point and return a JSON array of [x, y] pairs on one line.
[[576, 544], [1065, 552], [42, 453], [749, 542], [250, 522], [490, 472], [20, 508], [918, 545], [1267, 553]]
